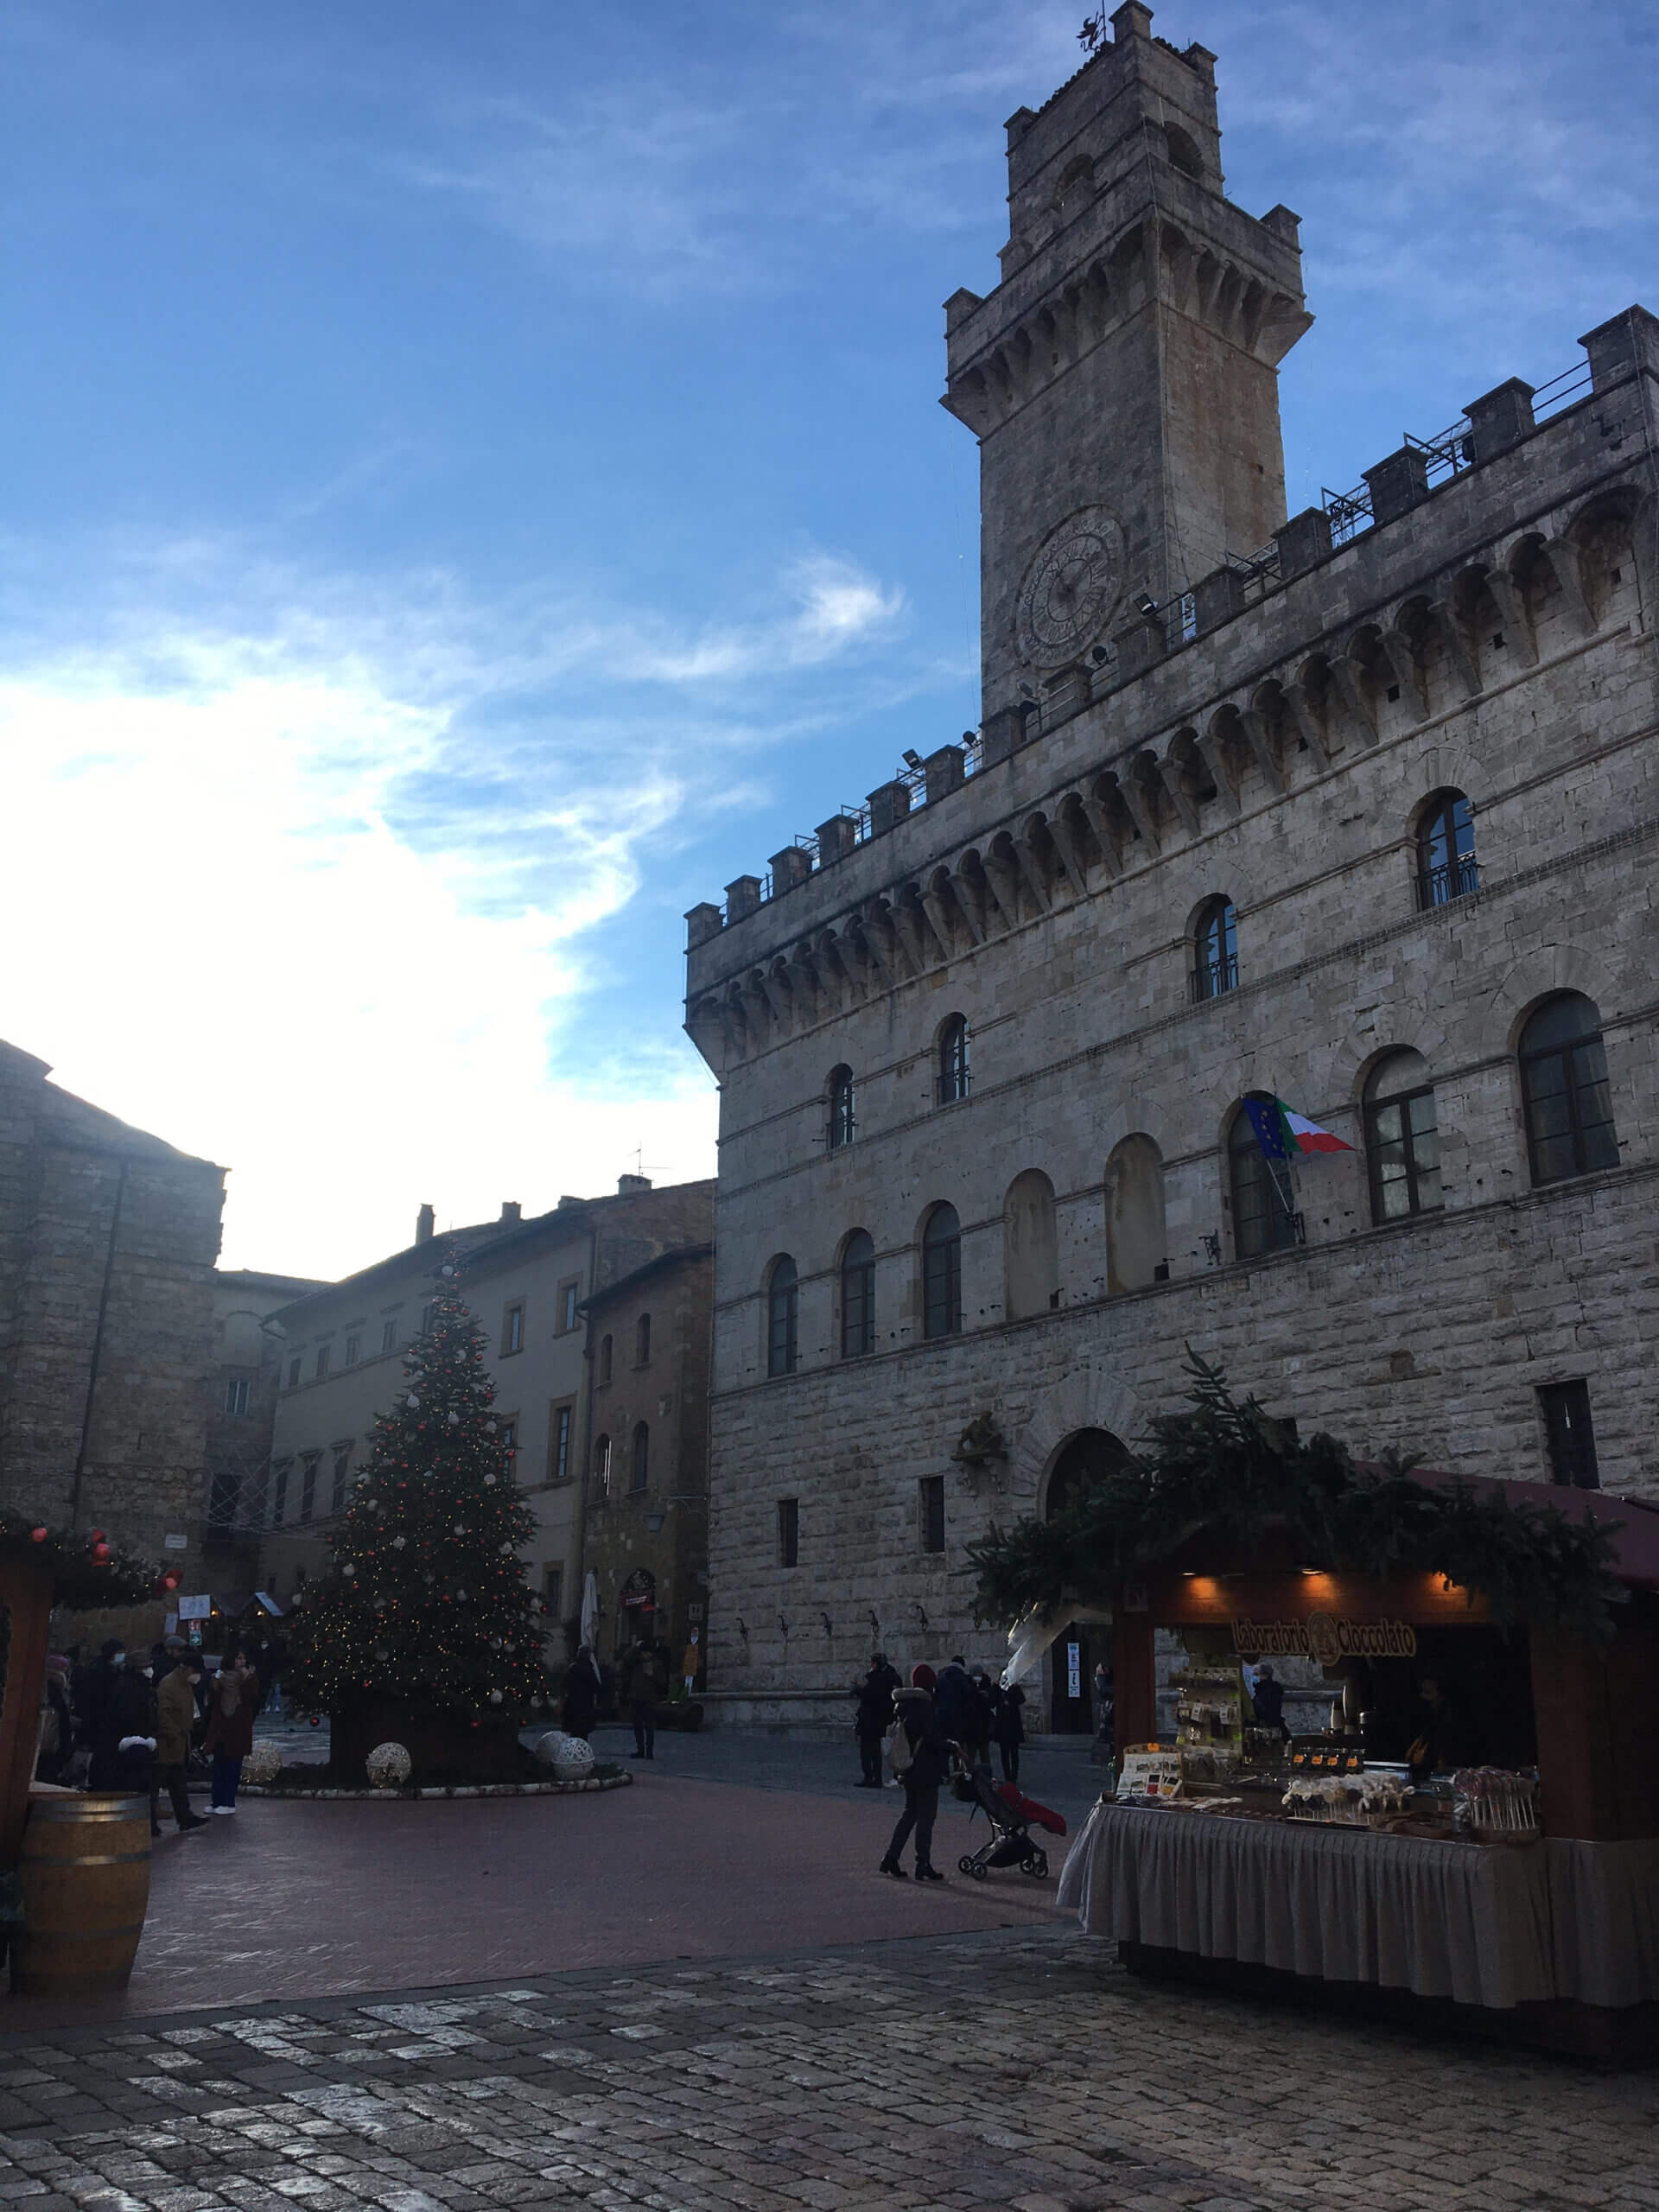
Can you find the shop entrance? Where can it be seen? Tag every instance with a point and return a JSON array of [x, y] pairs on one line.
[[1086, 1458]]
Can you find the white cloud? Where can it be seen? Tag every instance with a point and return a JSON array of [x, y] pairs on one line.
[[314, 891]]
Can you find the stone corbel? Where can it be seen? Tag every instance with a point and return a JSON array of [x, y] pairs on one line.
[[1456, 648], [1511, 604], [1003, 885], [1215, 759], [968, 893], [1103, 829], [1135, 798], [1071, 859], [1408, 671], [1350, 683], [775, 991], [1568, 565], [804, 989], [912, 925], [1308, 726], [1259, 739], [1031, 868], [944, 928], [1170, 773], [875, 934]]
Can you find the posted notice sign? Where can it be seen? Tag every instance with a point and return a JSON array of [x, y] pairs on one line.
[[195, 1609]]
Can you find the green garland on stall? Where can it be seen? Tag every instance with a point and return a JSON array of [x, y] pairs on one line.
[[1232, 1470], [87, 1572]]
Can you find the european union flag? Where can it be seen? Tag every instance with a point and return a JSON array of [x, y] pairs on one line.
[[1269, 1127]]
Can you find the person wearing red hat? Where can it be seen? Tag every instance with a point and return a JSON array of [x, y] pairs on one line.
[[919, 1742]]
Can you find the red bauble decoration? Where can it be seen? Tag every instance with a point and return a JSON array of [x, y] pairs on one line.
[[316, 1720], [100, 1553], [98, 1536], [37, 1535]]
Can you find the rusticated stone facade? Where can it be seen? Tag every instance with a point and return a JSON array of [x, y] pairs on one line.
[[108, 1238], [1469, 641]]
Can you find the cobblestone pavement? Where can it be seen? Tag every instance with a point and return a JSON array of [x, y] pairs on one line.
[[1013, 2068]]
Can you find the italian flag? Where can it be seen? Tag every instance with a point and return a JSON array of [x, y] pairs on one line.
[[1298, 1135]]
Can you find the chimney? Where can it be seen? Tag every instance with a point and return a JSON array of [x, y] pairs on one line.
[[627, 1184], [425, 1222], [512, 1212]]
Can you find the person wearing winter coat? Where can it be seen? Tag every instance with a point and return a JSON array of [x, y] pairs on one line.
[[1008, 1729], [873, 1716], [95, 1711], [57, 1736], [232, 1703], [954, 1700], [581, 1693], [647, 1681], [176, 1722], [930, 1762]]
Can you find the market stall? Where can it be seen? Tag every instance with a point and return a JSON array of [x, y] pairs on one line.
[[1466, 1813], [1478, 1824]]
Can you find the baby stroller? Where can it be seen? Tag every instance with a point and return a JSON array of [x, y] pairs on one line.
[[1010, 1842]]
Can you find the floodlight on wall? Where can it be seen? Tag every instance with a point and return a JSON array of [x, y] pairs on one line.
[[1100, 656], [654, 1522], [1147, 606], [912, 759]]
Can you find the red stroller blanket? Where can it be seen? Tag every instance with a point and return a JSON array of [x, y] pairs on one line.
[[1027, 1808]]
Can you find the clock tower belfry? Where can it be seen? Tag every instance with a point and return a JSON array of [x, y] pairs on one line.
[[1122, 378]]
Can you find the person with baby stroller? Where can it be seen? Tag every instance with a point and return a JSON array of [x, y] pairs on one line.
[[919, 1754]]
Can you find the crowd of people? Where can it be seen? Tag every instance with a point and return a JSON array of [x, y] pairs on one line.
[[134, 1723]]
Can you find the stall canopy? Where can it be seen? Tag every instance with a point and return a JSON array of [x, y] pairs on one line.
[[1635, 1524]]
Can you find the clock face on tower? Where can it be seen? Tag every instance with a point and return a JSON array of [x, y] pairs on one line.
[[1070, 589]]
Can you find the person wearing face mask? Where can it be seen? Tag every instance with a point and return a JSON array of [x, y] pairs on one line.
[[232, 1704]]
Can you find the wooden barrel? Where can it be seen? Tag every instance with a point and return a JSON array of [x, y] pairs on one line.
[[84, 1870]]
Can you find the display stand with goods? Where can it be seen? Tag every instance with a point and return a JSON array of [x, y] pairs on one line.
[[424, 1633], [1477, 1831]]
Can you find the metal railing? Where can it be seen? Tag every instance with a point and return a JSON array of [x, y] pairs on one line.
[[1213, 979], [1439, 887]]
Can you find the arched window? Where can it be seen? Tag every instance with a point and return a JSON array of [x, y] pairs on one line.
[[1564, 1084], [602, 1467], [1183, 153], [1262, 1220], [840, 1107], [953, 1078], [1447, 868], [1214, 950], [641, 1455], [858, 1296], [1402, 1144], [642, 1340], [942, 1274], [783, 1317], [1030, 1246], [605, 1355], [1136, 1241]]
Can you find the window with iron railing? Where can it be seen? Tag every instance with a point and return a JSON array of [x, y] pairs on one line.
[[1447, 868], [1215, 963]]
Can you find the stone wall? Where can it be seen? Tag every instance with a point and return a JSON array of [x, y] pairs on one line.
[[63, 1166]]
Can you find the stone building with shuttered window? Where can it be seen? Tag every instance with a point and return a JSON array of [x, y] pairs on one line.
[[1357, 809]]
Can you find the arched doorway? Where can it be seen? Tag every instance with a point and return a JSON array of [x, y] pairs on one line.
[[1086, 1458]]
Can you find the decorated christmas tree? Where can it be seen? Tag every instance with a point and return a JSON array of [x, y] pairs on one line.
[[425, 1604]]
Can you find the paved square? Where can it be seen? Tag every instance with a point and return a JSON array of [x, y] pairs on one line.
[[1008, 2069]]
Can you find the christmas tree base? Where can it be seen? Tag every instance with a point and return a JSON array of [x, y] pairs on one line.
[[446, 1743]]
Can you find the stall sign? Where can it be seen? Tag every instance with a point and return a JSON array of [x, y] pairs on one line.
[[1325, 1638], [1074, 1670], [195, 1609], [640, 1591]]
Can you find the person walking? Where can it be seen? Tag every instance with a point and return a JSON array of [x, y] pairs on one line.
[[176, 1720], [927, 1762], [873, 1716], [232, 1704], [647, 1680], [128, 1761], [1008, 1728], [954, 1701], [581, 1693], [690, 1659]]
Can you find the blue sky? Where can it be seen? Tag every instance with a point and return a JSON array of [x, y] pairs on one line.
[[475, 485]]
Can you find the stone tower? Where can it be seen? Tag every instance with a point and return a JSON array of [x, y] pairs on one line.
[[1122, 378]]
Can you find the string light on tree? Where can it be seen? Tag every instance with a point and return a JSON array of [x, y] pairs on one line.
[[379, 1622]]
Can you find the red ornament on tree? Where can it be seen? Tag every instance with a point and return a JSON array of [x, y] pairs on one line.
[[37, 1535]]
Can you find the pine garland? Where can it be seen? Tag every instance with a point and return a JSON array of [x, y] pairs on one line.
[[1232, 1470], [88, 1572], [426, 1599]]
